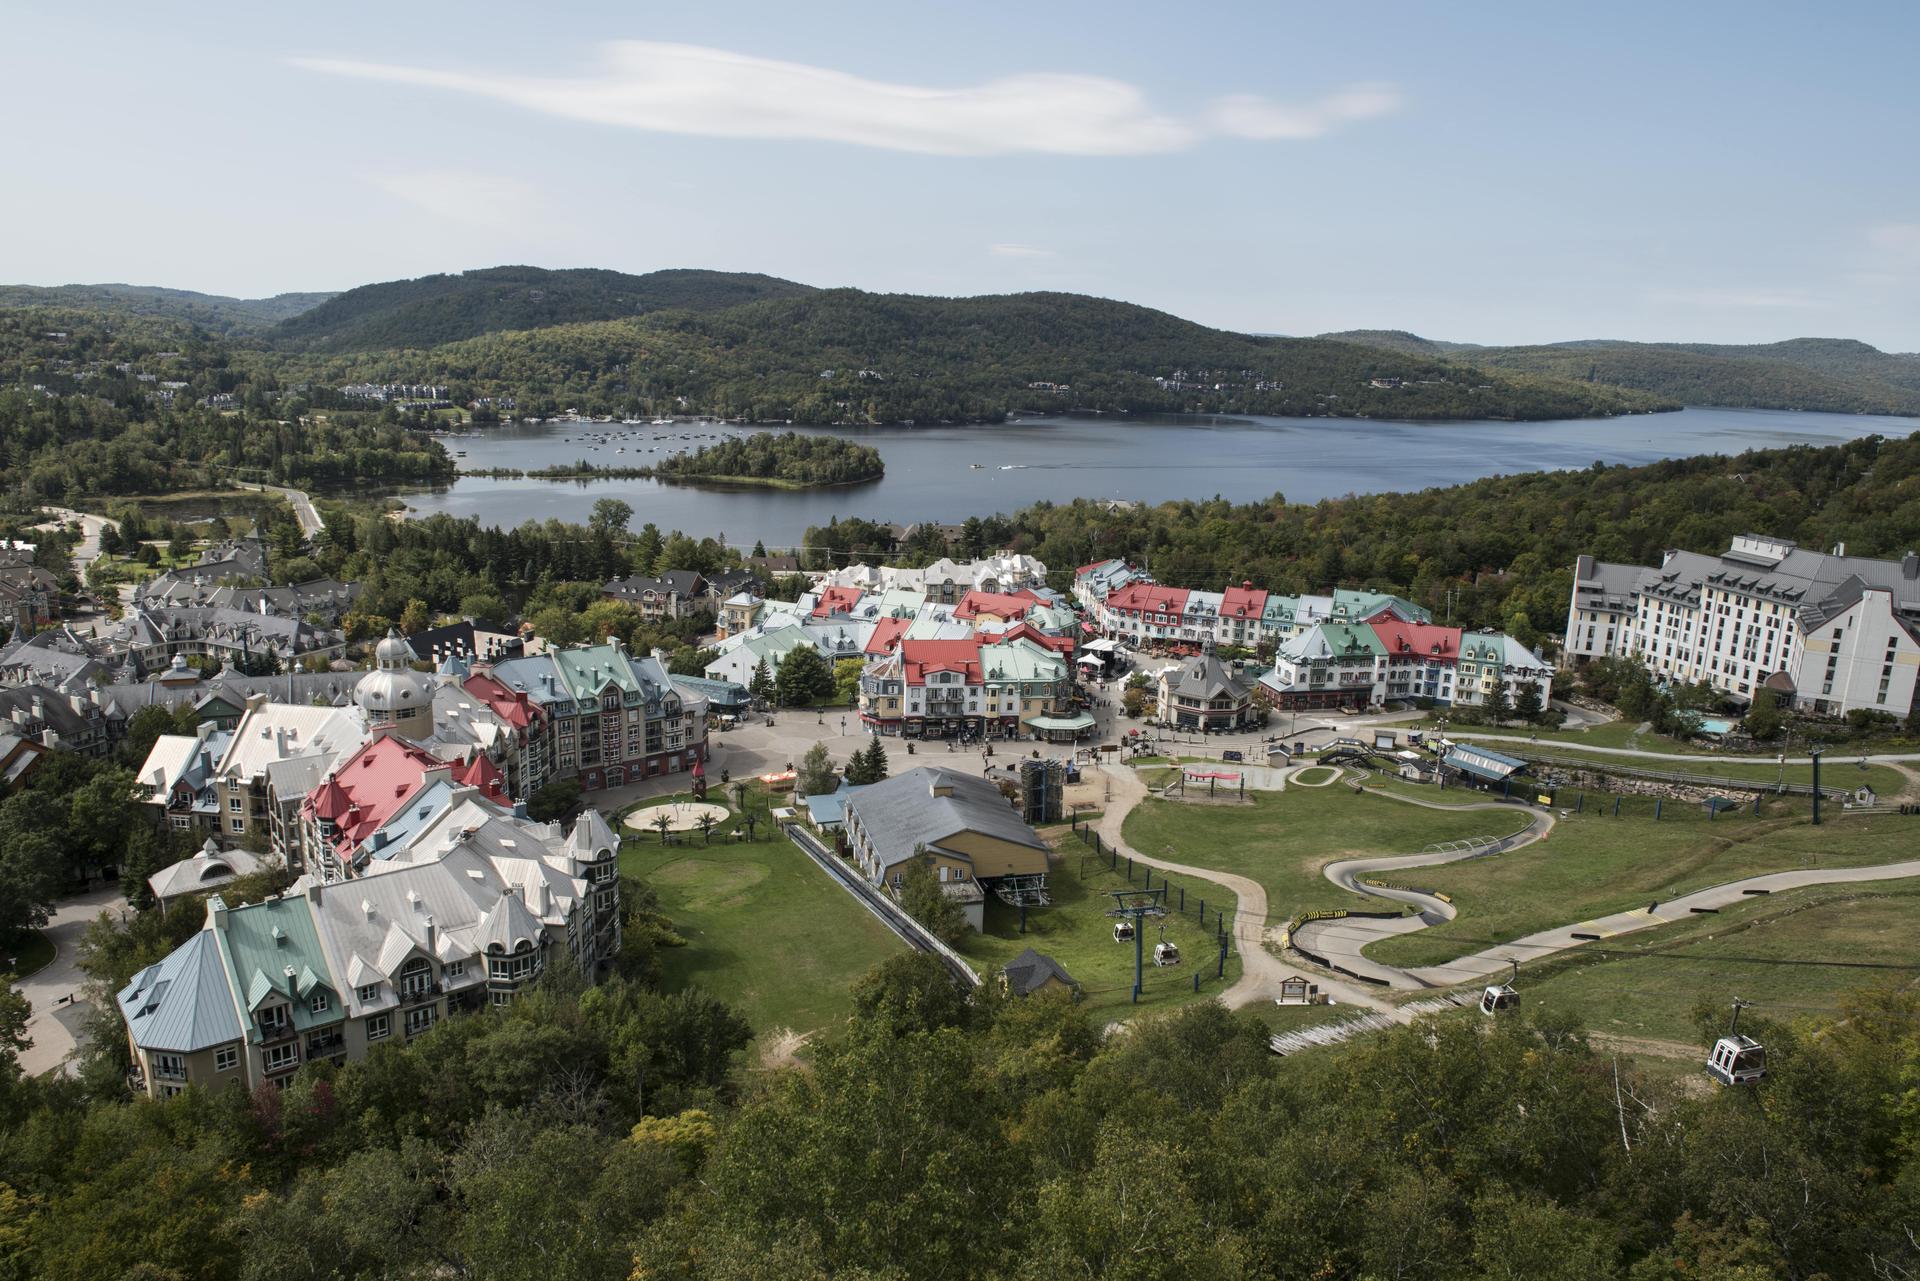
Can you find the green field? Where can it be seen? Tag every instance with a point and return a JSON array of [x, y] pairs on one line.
[[1284, 839], [767, 931], [1315, 776], [1794, 955], [1592, 865], [1840, 769], [1077, 932]]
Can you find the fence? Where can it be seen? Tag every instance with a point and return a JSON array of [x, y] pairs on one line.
[[890, 913], [1626, 770], [1176, 895]]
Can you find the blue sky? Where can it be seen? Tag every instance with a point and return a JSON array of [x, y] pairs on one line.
[[1489, 173]]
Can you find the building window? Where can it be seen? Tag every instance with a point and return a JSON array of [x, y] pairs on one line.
[[226, 1058], [172, 1065], [455, 969], [280, 1057], [419, 1020], [379, 1026], [273, 1021], [415, 976], [369, 994], [320, 1003]]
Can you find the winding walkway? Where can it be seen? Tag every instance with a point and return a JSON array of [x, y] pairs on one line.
[[1833, 759], [1342, 941], [1261, 971]]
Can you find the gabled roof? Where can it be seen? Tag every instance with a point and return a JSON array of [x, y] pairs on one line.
[[919, 658], [928, 805], [507, 927], [1417, 640], [1028, 972], [1149, 598]]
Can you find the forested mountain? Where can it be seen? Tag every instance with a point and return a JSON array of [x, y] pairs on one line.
[[432, 310], [1837, 375], [220, 314], [843, 355]]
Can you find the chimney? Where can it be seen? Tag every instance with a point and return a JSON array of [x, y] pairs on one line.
[[216, 912], [1910, 565], [313, 894], [293, 981], [1839, 549], [430, 937]]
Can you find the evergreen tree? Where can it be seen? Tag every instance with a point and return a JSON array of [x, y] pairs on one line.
[[761, 685], [804, 678]]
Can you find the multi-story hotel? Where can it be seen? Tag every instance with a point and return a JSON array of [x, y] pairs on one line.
[[1828, 632], [933, 688], [609, 717], [1363, 663], [480, 905]]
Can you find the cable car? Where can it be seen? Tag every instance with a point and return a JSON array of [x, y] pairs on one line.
[[1736, 1059], [1123, 931], [1165, 953], [1501, 996]]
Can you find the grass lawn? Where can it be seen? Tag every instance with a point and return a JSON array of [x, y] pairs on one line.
[[1315, 776], [1284, 839], [26, 954], [1794, 955], [1593, 864], [1077, 932], [1837, 771], [1428, 792], [766, 930]]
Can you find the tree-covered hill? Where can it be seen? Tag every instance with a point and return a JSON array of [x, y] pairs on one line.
[[1836, 375], [844, 355], [213, 311], [432, 310]]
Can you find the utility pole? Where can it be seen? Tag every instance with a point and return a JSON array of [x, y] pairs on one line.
[[1814, 752]]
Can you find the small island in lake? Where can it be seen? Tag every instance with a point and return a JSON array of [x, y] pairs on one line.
[[783, 460]]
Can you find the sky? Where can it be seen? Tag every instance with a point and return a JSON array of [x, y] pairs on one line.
[[1498, 173]]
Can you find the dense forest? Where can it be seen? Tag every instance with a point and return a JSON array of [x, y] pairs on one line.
[[786, 458], [213, 311], [100, 403], [612, 1132], [433, 310], [1497, 552], [1836, 375], [842, 355]]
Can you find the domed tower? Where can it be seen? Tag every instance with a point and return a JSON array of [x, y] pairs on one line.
[[393, 693]]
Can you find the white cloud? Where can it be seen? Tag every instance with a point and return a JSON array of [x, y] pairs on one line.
[[1019, 251], [688, 89], [1246, 115], [1740, 299], [482, 199]]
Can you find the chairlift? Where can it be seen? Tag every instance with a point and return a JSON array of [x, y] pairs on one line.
[[1500, 997], [1165, 953], [1123, 931], [1736, 1059]]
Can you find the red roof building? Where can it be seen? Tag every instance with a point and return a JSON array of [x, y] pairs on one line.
[[1243, 602], [919, 658], [482, 773], [510, 705], [991, 605], [886, 635], [836, 600], [367, 789]]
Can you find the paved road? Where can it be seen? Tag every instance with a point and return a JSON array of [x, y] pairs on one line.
[[303, 509], [57, 1024], [87, 550], [1260, 970]]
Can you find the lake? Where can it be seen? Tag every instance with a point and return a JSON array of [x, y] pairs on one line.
[[950, 473]]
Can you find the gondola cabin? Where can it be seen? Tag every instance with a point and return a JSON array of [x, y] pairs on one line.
[[1166, 954], [1498, 999], [1737, 1060], [1123, 931]]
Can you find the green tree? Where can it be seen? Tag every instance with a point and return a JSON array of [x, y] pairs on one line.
[[761, 685], [926, 901], [1526, 702], [610, 515], [804, 678], [816, 776], [1764, 720], [555, 800]]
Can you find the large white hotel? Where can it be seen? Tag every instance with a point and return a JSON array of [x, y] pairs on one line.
[[1828, 632]]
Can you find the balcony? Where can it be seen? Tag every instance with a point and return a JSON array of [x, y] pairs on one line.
[[326, 1043]]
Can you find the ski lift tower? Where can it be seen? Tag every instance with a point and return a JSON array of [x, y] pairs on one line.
[[1135, 906]]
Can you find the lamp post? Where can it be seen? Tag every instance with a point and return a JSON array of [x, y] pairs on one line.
[[1814, 752]]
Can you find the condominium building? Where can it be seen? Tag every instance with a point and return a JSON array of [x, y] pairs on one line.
[[935, 688], [1828, 632], [1355, 665], [610, 717], [327, 971]]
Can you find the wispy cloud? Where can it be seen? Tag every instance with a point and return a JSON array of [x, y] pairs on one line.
[[1019, 251], [481, 199], [1897, 242], [688, 89], [1740, 299]]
